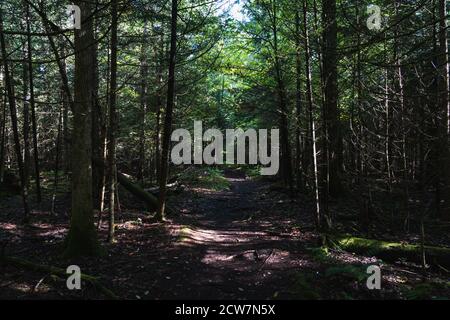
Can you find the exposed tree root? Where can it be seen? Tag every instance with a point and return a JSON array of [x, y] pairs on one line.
[[25, 264]]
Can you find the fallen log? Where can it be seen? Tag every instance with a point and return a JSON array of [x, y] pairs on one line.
[[150, 200], [25, 264], [170, 187], [392, 251]]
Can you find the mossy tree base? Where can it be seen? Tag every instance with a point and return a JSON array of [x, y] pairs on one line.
[[81, 243]]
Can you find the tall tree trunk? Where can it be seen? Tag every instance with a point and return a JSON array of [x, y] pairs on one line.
[[112, 122], [3, 133], [143, 101], [9, 83], [283, 110], [82, 237], [331, 111], [310, 101], [159, 103], [26, 117], [168, 114], [298, 103], [444, 107], [57, 157], [97, 120], [402, 110], [33, 108]]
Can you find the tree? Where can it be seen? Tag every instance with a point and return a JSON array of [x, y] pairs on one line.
[[82, 237], [443, 86], [33, 106], [333, 152], [168, 113], [112, 122], [9, 83]]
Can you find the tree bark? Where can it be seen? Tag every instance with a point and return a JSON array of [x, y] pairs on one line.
[[143, 104], [286, 168], [112, 122], [331, 112], [33, 109], [169, 113], [444, 108], [310, 102], [9, 83], [298, 103], [82, 237]]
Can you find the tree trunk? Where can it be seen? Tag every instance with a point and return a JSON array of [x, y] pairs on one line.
[[112, 122], [97, 120], [332, 122], [3, 133], [168, 116], [26, 117], [82, 237], [143, 101], [9, 83], [310, 101], [159, 103], [283, 110], [298, 103], [444, 108], [33, 109]]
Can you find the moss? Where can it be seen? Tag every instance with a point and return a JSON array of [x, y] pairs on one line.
[[392, 250], [184, 234], [80, 243], [55, 271], [208, 178], [303, 288], [348, 271], [427, 291], [321, 254]]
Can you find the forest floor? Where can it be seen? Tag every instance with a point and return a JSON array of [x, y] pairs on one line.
[[246, 241]]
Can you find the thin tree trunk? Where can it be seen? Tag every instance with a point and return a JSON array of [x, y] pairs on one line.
[[57, 157], [3, 133], [298, 102], [312, 129], [444, 107], [169, 113], [9, 83], [143, 101], [283, 110], [33, 109], [26, 118], [97, 120], [159, 102], [112, 123]]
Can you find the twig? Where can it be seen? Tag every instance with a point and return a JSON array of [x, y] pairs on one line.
[[265, 260]]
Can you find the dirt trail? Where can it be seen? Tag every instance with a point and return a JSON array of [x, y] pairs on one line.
[[230, 250]]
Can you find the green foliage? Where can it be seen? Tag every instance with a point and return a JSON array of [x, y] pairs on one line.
[[320, 254], [429, 290], [208, 178], [347, 271], [303, 287]]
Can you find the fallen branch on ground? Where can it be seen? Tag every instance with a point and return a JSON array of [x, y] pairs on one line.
[[25, 264], [150, 200], [392, 250]]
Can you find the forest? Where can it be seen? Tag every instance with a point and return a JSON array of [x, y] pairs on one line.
[[224, 149]]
